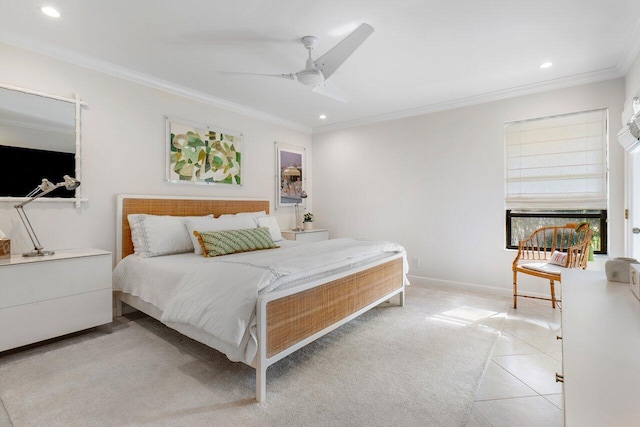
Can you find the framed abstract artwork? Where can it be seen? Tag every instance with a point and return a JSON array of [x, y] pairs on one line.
[[203, 154], [291, 175]]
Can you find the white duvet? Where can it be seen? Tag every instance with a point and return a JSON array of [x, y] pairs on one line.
[[219, 295]]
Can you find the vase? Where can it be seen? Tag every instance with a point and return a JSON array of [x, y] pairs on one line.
[[617, 269], [308, 226]]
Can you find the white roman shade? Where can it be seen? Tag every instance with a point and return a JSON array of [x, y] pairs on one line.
[[557, 162]]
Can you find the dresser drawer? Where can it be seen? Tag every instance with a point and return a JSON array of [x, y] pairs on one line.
[[45, 297], [29, 323], [56, 278]]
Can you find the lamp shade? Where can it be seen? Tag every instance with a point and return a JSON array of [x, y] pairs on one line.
[[71, 183], [291, 171]]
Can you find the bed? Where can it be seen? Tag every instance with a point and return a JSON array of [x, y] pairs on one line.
[[285, 317]]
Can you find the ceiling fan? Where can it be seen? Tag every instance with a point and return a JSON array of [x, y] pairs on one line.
[[316, 72]]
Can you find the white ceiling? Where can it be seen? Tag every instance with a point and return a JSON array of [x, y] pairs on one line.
[[424, 55]]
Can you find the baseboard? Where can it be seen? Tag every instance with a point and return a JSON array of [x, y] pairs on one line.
[[430, 282]]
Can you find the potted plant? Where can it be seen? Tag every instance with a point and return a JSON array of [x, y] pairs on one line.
[[307, 222]]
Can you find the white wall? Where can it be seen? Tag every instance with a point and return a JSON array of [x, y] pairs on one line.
[[632, 82], [124, 151], [435, 183]]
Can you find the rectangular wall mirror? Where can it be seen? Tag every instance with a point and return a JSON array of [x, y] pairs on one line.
[[39, 138]]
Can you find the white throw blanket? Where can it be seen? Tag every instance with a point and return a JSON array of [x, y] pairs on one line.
[[221, 297]]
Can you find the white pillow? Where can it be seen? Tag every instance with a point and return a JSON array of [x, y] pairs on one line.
[[232, 222], [272, 224], [254, 215], [155, 235], [558, 258]]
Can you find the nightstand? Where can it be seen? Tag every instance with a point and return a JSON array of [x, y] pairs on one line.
[[306, 236], [45, 297]]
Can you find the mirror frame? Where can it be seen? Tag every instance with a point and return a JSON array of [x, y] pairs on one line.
[[78, 104]]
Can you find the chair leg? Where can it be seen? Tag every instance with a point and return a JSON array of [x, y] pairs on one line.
[[515, 289], [553, 294]]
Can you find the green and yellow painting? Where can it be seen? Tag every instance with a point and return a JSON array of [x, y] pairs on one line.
[[204, 155]]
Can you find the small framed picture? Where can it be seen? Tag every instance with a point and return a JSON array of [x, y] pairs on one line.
[[291, 175]]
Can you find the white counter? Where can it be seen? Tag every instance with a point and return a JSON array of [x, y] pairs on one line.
[[600, 351]]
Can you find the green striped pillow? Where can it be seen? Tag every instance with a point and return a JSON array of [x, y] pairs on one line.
[[215, 243]]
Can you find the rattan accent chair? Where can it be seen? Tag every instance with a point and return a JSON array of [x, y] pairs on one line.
[[537, 249]]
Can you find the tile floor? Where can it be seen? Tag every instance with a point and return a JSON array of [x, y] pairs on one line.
[[518, 387], [4, 417]]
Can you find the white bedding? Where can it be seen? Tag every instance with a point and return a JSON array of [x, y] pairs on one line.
[[155, 279], [218, 295]]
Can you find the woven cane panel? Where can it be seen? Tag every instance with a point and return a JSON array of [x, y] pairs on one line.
[[186, 207], [293, 318]]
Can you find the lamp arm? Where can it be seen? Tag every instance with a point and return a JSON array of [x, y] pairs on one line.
[[44, 193], [27, 224], [43, 189]]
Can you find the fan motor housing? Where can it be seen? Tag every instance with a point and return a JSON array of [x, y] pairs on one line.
[[310, 77]]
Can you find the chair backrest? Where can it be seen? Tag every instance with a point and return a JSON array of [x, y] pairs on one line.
[[573, 239]]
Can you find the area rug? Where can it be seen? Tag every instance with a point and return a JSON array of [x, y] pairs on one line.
[[415, 365]]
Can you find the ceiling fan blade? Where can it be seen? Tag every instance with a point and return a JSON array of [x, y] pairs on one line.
[[330, 61], [327, 88], [239, 73]]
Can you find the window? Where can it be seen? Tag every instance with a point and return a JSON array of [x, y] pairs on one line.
[[556, 173], [520, 224]]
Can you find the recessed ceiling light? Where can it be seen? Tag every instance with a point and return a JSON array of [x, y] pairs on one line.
[[322, 116], [546, 65], [50, 11]]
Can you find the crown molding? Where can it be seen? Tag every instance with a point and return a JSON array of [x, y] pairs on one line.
[[546, 86], [631, 51], [106, 67]]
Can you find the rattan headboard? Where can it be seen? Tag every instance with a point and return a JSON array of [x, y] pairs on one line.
[[177, 206]]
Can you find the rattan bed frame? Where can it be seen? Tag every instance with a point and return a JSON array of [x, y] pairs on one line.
[[286, 320]]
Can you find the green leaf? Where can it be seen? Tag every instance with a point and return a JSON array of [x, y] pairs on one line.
[[202, 156], [179, 166], [195, 142], [171, 146], [217, 161], [191, 154]]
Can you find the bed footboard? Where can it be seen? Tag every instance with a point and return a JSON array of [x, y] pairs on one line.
[[289, 322]]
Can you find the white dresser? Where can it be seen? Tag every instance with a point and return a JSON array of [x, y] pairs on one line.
[[306, 236], [600, 351], [45, 297]]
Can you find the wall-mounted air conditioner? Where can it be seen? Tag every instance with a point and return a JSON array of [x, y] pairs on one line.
[[629, 135]]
